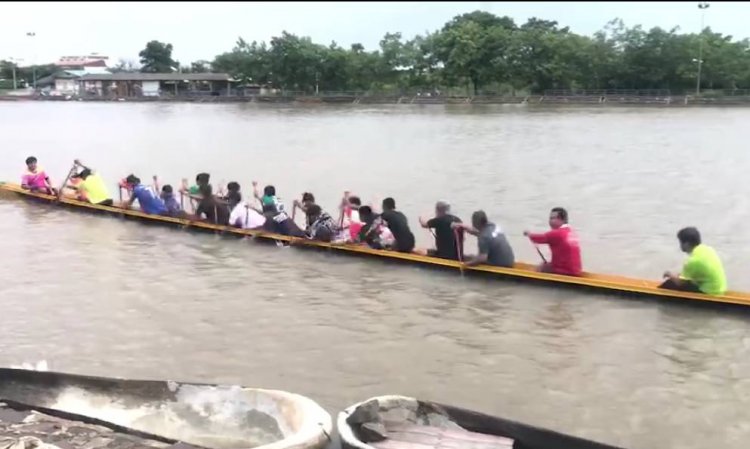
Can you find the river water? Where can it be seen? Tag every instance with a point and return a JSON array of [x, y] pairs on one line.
[[95, 295]]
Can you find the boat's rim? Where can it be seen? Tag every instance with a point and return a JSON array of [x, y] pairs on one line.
[[345, 430], [315, 429]]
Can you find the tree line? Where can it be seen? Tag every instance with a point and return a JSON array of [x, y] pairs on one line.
[[480, 52]]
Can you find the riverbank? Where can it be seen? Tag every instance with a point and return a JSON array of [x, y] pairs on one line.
[[604, 100]]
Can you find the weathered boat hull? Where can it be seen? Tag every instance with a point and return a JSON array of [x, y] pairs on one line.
[[407, 422], [211, 416], [22, 425], [604, 283]]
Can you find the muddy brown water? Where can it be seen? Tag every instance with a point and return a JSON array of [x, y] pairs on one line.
[[100, 296]]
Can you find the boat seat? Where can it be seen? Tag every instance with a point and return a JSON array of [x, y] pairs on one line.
[[413, 436]]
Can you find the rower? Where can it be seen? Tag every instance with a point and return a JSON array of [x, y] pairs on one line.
[[277, 219], [323, 226], [563, 243], [35, 179], [399, 226], [173, 206], [233, 196], [446, 244], [214, 211], [269, 201], [193, 192], [92, 186], [373, 233], [149, 202], [493, 247], [246, 217], [703, 271], [307, 200], [351, 223]]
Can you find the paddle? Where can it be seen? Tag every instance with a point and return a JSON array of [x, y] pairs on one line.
[[62, 187], [459, 253], [539, 252]]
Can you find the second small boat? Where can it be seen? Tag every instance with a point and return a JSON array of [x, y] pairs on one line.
[[399, 422]]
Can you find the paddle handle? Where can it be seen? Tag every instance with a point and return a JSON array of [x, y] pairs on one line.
[[65, 182]]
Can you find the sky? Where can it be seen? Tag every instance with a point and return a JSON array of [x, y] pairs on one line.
[[201, 30]]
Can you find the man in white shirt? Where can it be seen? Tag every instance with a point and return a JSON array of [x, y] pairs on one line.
[[245, 217]]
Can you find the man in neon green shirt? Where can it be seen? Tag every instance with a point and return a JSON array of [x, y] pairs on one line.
[[92, 185], [703, 271]]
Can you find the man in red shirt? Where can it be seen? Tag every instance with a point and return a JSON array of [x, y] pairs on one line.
[[563, 243]]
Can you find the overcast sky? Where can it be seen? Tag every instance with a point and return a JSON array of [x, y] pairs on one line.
[[202, 30]]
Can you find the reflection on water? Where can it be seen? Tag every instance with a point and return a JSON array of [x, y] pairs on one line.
[[102, 296]]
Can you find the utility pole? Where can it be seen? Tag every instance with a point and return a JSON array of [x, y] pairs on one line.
[[33, 67], [703, 7], [14, 66]]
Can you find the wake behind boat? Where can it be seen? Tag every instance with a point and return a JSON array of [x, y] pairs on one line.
[[209, 416], [399, 422], [604, 283]]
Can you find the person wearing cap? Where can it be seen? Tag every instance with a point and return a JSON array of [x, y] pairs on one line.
[[494, 248], [149, 202], [35, 179], [449, 243], [92, 186]]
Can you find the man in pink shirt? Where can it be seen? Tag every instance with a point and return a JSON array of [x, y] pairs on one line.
[[563, 243], [35, 179]]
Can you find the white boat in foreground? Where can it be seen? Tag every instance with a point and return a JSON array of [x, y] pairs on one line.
[[208, 416], [399, 422]]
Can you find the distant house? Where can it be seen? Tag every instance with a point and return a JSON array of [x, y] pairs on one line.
[[82, 62], [123, 85], [65, 82]]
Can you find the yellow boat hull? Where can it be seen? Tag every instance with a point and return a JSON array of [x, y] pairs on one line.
[[521, 271]]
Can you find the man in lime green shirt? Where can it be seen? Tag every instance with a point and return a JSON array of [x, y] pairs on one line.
[[92, 186], [703, 271]]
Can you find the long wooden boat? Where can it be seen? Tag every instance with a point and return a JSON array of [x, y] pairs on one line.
[[604, 283], [202, 415], [400, 422]]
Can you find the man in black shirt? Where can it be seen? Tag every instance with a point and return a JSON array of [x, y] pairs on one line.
[[448, 246], [214, 211], [397, 223]]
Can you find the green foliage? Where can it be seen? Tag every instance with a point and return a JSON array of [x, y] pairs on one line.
[[480, 51], [157, 58]]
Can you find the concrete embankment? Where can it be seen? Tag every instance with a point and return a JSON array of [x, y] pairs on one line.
[[611, 100]]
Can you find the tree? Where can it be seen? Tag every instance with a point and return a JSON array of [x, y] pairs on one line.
[[249, 63], [157, 58], [6, 69], [296, 61], [485, 51], [126, 66], [475, 47], [200, 67]]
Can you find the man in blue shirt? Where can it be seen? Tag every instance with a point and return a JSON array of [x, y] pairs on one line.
[[149, 202]]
